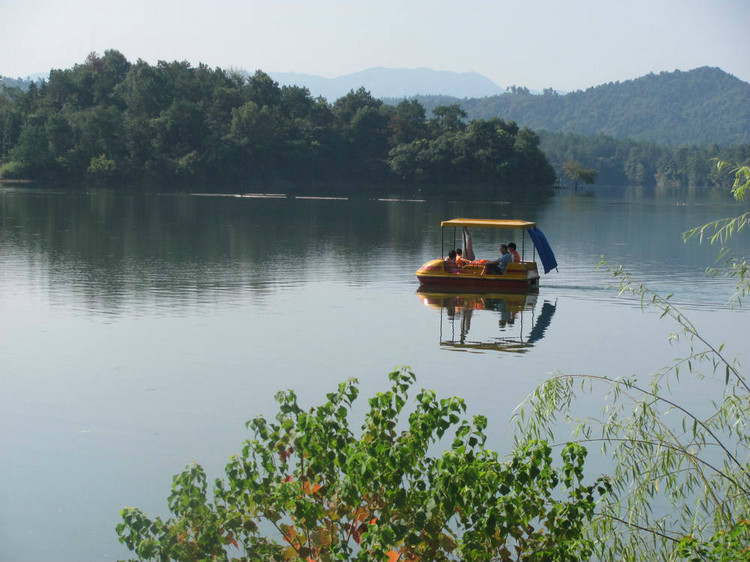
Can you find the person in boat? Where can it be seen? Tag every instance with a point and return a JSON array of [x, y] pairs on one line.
[[451, 265], [497, 267], [513, 252], [460, 259]]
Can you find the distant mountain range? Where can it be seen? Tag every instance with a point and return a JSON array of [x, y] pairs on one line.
[[394, 83], [380, 82], [698, 107], [701, 106]]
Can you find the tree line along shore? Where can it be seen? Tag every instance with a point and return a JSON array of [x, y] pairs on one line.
[[108, 121]]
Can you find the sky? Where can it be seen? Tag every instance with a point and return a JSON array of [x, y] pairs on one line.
[[561, 44]]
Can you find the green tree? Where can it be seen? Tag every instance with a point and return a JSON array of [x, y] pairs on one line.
[[256, 130], [530, 165], [305, 487], [727, 545], [60, 137], [172, 123], [489, 153], [296, 102], [263, 90], [10, 121], [32, 151], [576, 172], [448, 117], [144, 90], [101, 168], [362, 123], [408, 122]]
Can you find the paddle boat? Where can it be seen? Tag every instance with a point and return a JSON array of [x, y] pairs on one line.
[[518, 276]]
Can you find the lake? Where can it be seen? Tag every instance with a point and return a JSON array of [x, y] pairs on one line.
[[140, 331]]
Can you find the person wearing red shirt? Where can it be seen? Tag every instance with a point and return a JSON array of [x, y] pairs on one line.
[[513, 252]]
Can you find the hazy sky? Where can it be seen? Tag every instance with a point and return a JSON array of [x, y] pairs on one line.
[[563, 44]]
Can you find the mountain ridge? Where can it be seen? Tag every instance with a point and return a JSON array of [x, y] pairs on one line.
[[702, 106], [384, 82]]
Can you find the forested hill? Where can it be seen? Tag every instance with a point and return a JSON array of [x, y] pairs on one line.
[[698, 107], [108, 120]]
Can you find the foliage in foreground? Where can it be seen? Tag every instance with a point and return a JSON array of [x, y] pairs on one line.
[[305, 487], [681, 470], [720, 231]]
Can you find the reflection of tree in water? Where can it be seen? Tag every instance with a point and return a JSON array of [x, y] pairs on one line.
[[122, 250]]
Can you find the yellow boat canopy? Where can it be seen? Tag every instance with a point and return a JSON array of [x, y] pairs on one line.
[[489, 223]]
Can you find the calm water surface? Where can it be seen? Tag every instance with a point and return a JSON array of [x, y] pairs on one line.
[[139, 332]]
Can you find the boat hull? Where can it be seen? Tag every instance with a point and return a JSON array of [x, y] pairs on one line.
[[519, 277]]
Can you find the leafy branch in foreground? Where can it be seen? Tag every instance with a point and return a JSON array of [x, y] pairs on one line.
[[306, 488], [730, 545], [677, 471], [720, 231], [680, 473]]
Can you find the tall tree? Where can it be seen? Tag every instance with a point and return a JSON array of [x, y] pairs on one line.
[[576, 172], [449, 117], [408, 122]]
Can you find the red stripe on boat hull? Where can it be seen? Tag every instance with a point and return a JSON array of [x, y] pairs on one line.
[[479, 282]]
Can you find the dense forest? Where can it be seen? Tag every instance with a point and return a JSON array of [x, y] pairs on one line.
[[111, 121], [699, 107], [630, 162], [107, 121]]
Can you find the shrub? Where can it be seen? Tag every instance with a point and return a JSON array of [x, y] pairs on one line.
[[304, 487]]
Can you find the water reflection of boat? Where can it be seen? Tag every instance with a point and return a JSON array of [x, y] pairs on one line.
[[518, 325], [518, 276]]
